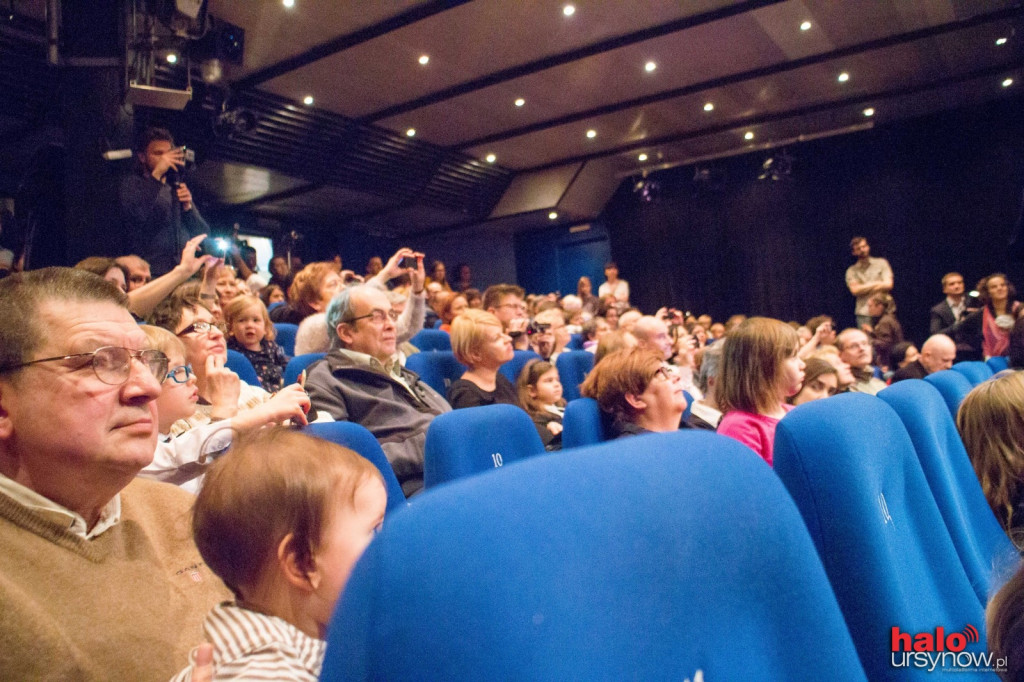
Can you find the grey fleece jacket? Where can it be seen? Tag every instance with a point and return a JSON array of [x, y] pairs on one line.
[[396, 417]]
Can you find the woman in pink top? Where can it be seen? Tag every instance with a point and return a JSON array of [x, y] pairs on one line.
[[760, 370]]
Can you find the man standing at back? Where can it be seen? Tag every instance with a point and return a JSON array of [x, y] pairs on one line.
[[99, 577], [950, 317], [866, 277]]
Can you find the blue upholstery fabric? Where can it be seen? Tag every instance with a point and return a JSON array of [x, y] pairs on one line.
[[431, 339], [277, 304], [512, 368], [477, 439], [573, 366], [360, 440], [979, 540], [582, 424], [975, 371], [240, 365], [297, 364], [998, 363], [852, 471], [575, 342], [689, 406], [953, 386], [286, 336], [645, 559], [438, 368]]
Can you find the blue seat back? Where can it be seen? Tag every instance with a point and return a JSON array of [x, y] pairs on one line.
[[582, 424], [852, 471], [437, 368], [998, 363], [240, 365], [360, 440], [276, 304], [983, 547], [689, 406], [575, 342], [431, 339], [299, 363], [437, 323], [623, 561], [976, 371], [573, 366], [513, 367], [952, 386], [472, 440], [285, 336]]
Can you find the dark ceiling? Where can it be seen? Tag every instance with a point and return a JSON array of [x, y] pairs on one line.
[[638, 76]]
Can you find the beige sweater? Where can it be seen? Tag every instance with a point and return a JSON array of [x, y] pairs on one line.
[[126, 605]]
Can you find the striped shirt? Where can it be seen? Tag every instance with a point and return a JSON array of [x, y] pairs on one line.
[[252, 646]]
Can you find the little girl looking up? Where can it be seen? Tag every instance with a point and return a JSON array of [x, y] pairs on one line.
[[540, 394], [282, 520], [760, 370], [251, 333]]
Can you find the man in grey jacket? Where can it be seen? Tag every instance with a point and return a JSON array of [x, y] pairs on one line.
[[362, 381]]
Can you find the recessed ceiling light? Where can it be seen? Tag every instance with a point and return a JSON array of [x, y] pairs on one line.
[[591, 133], [748, 136], [491, 158], [520, 102], [569, 10], [869, 112], [424, 59], [642, 157], [1000, 41], [288, 3], [308, 100], [552, 216], [650, 66], [411, 132], [709, 107], [843, 77], [1008, 82], [806, 26], [172, 58]]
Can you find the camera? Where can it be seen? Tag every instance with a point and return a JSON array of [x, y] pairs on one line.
[[538, 328], [407, 262]]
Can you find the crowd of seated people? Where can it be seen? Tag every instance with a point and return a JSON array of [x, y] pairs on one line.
[[207, 429]]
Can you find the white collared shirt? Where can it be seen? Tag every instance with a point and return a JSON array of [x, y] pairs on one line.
[[75, 522]]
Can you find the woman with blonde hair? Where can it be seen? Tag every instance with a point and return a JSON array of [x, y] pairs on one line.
[[479, 342], [991, 424]]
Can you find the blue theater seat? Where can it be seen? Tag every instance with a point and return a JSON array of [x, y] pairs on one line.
[[975, 371], [476, 439], [582, 424], [437, 368], [299, 363], [852, 470], [431, 339], [998, 363], [240, 365], [653, 558], [513, 367], [573, 366], [360, 440], [285, 336], [953, 386], [984, 549]]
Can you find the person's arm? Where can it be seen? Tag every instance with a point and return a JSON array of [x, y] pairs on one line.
[[937, 325], [243, 270], [143, 300], [186, 456], [290, 403], [815, 341], [623, 295]]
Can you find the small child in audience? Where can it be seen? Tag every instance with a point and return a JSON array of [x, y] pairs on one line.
[[282, 520], [271, 294], [540, 394], [251, 333], [760, 370]]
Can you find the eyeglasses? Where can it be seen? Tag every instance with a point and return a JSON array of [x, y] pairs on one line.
[[377, 314], [180, 374], [663, 373], [198, 328], [516, 306], [111, 364]]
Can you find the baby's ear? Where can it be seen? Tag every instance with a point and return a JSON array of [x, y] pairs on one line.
[[297, 566]]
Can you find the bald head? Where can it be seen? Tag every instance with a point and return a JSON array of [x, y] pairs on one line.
[[938, 353], [653, 333]]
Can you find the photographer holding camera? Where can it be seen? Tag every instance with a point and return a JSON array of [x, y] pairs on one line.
[[156, 206]]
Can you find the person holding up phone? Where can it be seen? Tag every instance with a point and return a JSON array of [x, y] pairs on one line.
[[157, 210]]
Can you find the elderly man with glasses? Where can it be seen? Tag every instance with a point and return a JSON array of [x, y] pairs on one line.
[[99, 578], [361, 380]]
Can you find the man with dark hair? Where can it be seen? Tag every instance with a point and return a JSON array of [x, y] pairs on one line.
[[99, 577], [613, 286], [866, 277], [950, 317], [156, 207]]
